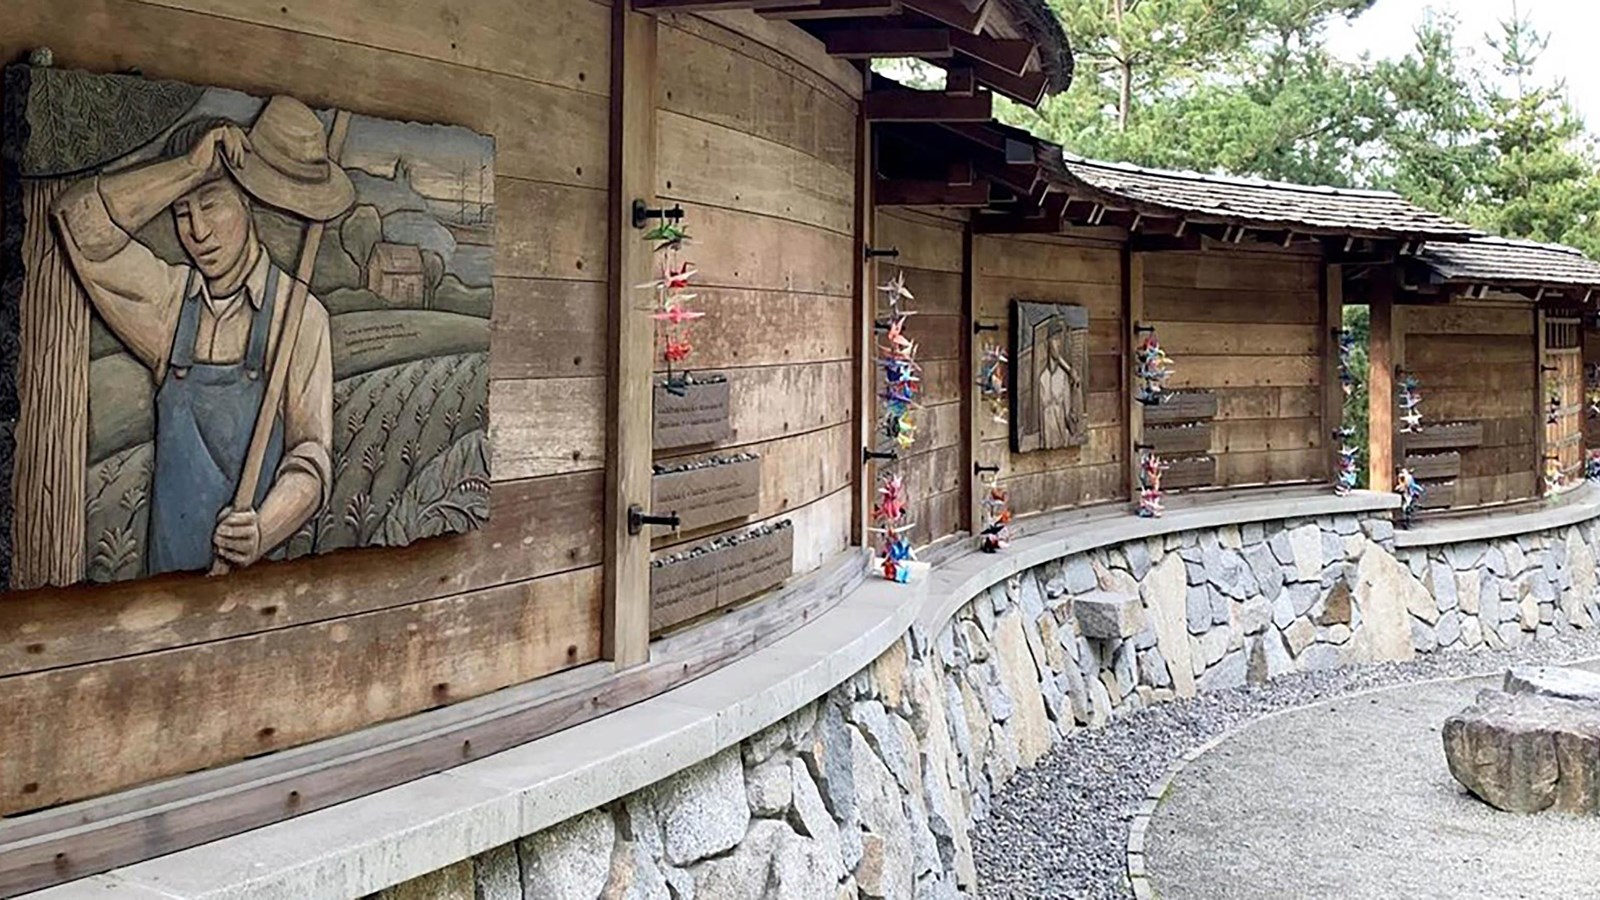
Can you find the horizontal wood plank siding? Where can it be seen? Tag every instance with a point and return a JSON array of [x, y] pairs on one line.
[[111, 686], [1058, 270]]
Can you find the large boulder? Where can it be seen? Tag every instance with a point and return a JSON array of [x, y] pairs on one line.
[[1554, 681], [1527, 752]]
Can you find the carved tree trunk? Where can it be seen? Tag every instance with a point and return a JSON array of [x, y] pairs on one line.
[[52, 432]]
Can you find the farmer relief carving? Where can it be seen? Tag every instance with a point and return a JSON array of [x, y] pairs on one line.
[[211, 329]]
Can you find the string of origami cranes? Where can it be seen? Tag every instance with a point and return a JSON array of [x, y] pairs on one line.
[[1153, 368], [902, 379]]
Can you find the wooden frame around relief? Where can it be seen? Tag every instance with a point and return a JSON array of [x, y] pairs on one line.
[[1049, 376]]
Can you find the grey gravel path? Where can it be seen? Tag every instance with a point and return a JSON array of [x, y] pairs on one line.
[[1060, 829], [1352, 799]]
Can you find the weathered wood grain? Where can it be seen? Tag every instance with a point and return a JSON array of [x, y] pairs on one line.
[[284, 688], [925, 242], [1055, 260], [547, 329], [573, 38], [745, 250], [1245, 371], [66, 627], [114, 35], [546, 426], [765, 328], [1236, 305], [752, 91], [715, 165], [549, 231], [1245, 339], [1234, 271]]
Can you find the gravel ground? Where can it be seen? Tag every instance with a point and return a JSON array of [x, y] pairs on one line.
[[1061, 828]]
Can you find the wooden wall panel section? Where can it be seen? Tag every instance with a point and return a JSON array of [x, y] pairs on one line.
[[1479, 363], [757, 148], [935, 467], [109, 686], [1247, 325], [1059, 270]]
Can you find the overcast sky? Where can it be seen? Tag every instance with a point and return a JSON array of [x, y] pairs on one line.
[[1386, 31]]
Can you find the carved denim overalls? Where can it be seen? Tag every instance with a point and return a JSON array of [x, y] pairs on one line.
[[205, 414]]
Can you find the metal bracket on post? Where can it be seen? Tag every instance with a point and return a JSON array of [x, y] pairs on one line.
[[643, 213], [869, 455], [978, 469], [872, 253], [638, 518], [979, 327]]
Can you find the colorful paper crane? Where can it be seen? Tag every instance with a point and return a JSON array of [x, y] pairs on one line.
[[1150, 469]]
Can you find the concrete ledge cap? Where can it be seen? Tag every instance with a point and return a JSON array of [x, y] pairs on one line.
[[1574, 507]]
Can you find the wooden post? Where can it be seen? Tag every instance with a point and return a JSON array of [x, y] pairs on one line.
[[1380, 384], [1332, 390], [969, 391], [625, 635], [862, 369], [1541, 391], [1132, 312]]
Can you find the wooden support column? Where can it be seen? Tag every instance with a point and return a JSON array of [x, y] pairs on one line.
[[1383, 357], [1332, 390], [1541, 393], [1132, 312], [864, 342], [625, 637], [969, 390]]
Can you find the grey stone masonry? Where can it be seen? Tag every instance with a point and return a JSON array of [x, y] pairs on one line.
[[872, 790], [1106, 616]]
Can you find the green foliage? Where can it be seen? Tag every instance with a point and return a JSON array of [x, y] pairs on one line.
[[1358, 324], [1460, 124]]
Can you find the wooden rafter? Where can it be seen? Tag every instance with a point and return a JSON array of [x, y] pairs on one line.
[[870, 43], [969, 18], [913, 192], [831, 9], [907, 105]]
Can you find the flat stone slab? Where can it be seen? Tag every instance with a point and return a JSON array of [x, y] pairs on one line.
[[1554, 681], [1106, 616], [1527, 752]]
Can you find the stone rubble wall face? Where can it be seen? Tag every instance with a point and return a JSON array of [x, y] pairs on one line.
[[872, 790]]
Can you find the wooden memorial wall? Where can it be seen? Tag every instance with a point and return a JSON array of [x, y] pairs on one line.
[[1477, 371]]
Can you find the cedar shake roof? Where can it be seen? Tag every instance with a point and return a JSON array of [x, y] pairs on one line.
[[1248, 201], [1039, 24], [1503, 261]]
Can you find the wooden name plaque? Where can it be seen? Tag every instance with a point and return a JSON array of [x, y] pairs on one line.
[[695, 417], [1448, 436], [707, 493], [719, 573], [1189, 472], [1175, 440], [1182, 406]]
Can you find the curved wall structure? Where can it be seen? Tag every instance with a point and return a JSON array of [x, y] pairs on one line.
[[853, 757]]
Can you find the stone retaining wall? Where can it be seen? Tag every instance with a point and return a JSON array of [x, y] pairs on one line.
[[871, 791]]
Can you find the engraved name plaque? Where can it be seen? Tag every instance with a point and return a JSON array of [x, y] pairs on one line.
[[719, 573], [708, 492], [695, 417]]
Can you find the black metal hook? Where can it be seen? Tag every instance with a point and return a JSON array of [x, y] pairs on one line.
[[978, 469], [875, 253], [1144, 446], [1549, 368], [1144, 329], [979, 327], [638, 518], [644, 212], [869, 455]]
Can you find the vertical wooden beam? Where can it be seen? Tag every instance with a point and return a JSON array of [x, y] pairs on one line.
[[1541, 391], [625, 635], [1332, 391], [969, 390], [1382, 356], [1132, 313], [864, 341]]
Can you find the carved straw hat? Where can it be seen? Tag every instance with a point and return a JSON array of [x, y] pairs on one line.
[[286, 164]]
